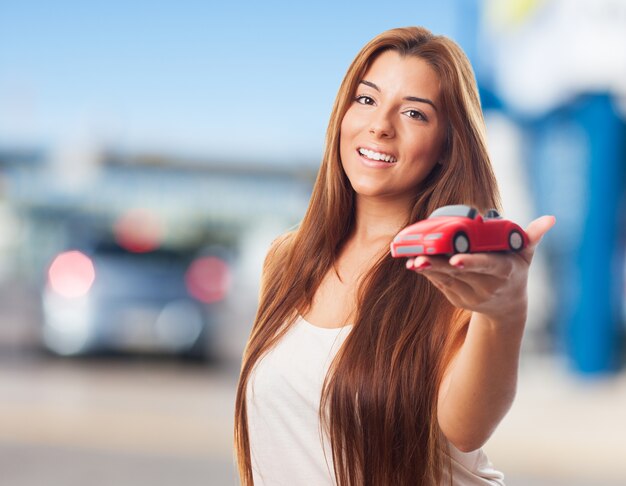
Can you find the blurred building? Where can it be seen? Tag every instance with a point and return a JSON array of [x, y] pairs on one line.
[[51, 204], [554, 71]]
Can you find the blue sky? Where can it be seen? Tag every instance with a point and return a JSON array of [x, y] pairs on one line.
[[248, 80]]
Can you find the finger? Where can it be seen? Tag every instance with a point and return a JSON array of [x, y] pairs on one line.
[[431, 262], [449, 277], [436, 267], [462, 288], [474, 276], [480, 282], [495, 264], [498, 264]]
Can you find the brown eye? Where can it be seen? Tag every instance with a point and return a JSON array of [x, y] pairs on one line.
[[364, 100], [416, 115]]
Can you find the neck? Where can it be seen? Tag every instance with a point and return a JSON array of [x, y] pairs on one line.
[[378, 220]]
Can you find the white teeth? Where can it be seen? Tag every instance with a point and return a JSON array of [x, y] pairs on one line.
[[370, 154]]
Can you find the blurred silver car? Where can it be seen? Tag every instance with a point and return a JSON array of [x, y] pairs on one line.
[[106, 297]]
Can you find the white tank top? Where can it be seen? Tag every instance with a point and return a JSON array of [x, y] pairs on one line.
[[282, 399]]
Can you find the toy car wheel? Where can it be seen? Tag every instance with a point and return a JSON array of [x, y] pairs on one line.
[[515, 240], [460, 243]]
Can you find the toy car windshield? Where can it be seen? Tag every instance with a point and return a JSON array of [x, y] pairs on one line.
[[455, 210], [492, 214]]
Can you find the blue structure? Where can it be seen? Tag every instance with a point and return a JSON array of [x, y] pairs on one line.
[[577, 157]]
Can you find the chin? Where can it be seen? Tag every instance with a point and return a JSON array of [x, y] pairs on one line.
[[370, 191]]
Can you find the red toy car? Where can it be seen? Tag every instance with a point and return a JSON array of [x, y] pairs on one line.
[[458, 229]]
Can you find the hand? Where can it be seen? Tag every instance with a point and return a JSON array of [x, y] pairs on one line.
[[493, 284]]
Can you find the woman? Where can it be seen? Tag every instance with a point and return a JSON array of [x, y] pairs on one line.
[[362, 369]]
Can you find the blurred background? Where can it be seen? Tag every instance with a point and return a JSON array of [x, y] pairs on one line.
[[151, 151]]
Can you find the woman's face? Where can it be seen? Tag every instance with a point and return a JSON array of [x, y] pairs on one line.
[[395, 116]]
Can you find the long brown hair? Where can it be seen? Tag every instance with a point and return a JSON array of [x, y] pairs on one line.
[[379, 400]]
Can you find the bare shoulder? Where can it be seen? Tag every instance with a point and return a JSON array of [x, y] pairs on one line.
[[279, 246], [277, 249]]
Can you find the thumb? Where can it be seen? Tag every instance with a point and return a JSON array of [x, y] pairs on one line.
[[536, 231]]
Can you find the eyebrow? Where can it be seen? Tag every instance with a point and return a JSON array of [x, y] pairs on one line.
[[407, 98]]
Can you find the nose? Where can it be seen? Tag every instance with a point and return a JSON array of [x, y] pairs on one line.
[[381, 126]]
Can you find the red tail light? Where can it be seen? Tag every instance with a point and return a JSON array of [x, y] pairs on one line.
[[139, 231], [71, 274], [208, 279]]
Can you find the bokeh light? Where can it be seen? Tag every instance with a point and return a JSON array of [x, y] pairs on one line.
[[71, 274], [208, 279]]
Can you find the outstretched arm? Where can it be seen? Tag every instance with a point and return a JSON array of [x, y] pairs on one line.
[[479, 385]]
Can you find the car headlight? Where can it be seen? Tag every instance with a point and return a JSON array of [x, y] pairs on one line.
[[411, 237], [433, 236]]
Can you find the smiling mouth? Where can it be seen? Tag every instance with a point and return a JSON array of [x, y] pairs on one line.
[[377, 156]]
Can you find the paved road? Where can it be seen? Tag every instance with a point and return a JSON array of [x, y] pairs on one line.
[[112, 422], [134, 422], [35, 465], [562, 428], [104, 421], [159, 422]]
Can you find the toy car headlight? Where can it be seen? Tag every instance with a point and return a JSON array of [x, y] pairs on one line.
[[433, 236], [411, 237]]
